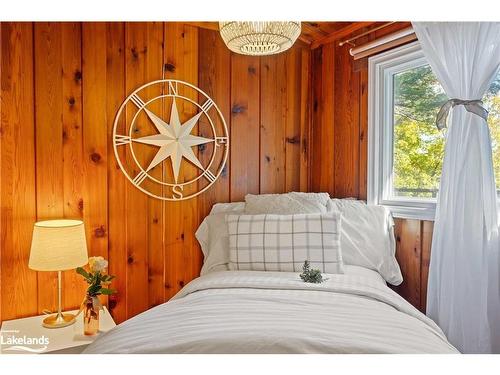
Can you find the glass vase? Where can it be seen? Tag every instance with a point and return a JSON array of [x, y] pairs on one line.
[[90, 317]]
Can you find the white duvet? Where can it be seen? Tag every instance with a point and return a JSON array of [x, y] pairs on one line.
[[275, 312]]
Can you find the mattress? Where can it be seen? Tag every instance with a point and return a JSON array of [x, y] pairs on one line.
[[275, 312]]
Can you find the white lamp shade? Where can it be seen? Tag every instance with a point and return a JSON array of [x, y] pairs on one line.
[[58, 245]]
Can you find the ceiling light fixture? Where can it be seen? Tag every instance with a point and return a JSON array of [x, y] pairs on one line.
[[259, 38]]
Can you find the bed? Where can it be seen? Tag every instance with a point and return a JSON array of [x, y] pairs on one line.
[[253, 311], [274, 312]]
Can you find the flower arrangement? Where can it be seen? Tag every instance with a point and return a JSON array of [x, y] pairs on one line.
[[96, 278], [98, 284]]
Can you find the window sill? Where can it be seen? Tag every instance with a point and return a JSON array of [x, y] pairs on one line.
[[407, 209], [412, 212]]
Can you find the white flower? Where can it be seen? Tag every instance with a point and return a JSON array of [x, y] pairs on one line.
[[97, 264]]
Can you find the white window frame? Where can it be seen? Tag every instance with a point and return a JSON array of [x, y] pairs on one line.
[[381, 69]]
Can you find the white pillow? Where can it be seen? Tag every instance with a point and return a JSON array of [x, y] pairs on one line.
[[367, 238], [286, 204], [212, 232], [213, 238], [227, 207], [283, 242]]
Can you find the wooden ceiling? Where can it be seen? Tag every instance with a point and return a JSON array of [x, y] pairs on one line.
[[314, 33]]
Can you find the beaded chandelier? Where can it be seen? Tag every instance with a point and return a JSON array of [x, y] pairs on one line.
[[259, 38]]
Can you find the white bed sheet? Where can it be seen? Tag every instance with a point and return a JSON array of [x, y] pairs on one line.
[[275, 312]]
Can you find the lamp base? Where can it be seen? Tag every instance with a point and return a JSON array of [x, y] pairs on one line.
[[59, 320]]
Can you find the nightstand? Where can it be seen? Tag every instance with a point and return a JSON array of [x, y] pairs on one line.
[[29, 333]]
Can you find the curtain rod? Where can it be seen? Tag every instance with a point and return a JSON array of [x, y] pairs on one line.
[[349, 41], [394, 39]]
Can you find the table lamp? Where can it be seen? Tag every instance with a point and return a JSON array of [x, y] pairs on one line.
[[58, 245]]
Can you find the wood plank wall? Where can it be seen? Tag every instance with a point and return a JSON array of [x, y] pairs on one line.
[[339, 151], [61, 85]]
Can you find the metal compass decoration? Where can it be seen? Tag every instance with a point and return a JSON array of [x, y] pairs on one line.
[[169, 145]]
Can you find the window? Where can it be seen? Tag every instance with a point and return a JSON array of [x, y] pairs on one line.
[[405, 148]]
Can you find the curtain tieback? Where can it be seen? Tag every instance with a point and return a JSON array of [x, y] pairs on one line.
[[472, 106]]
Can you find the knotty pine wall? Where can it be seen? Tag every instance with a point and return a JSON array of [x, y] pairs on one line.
[[339, 151], [61, 85]]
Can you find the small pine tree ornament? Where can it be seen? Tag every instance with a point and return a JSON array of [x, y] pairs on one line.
[[309, 275]]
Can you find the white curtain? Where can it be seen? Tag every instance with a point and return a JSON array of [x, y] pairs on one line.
[[463, 293]]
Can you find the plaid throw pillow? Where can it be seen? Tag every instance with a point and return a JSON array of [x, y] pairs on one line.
[[284, 242]]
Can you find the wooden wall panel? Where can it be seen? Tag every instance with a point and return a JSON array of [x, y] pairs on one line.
[[245, 126], [18, 284], [363, 134], [72, 117], [293, 136], [305, 119], [183, 255], [62, 84], [136, 73], [427, 228], [317, 121], [346, 120], [49, 141], [73, 157], [322, 126], [281, 117], [117, 185], [408, 254], [214, 79], [273, 104], [327, 138], [156, 208], [95, 144]]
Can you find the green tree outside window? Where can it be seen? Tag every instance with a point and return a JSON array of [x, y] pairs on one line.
[[418, 144]]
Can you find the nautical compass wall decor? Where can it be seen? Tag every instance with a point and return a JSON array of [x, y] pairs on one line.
[[170, 139]]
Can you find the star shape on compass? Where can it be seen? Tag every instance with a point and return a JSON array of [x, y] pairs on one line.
[[174, 139]]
